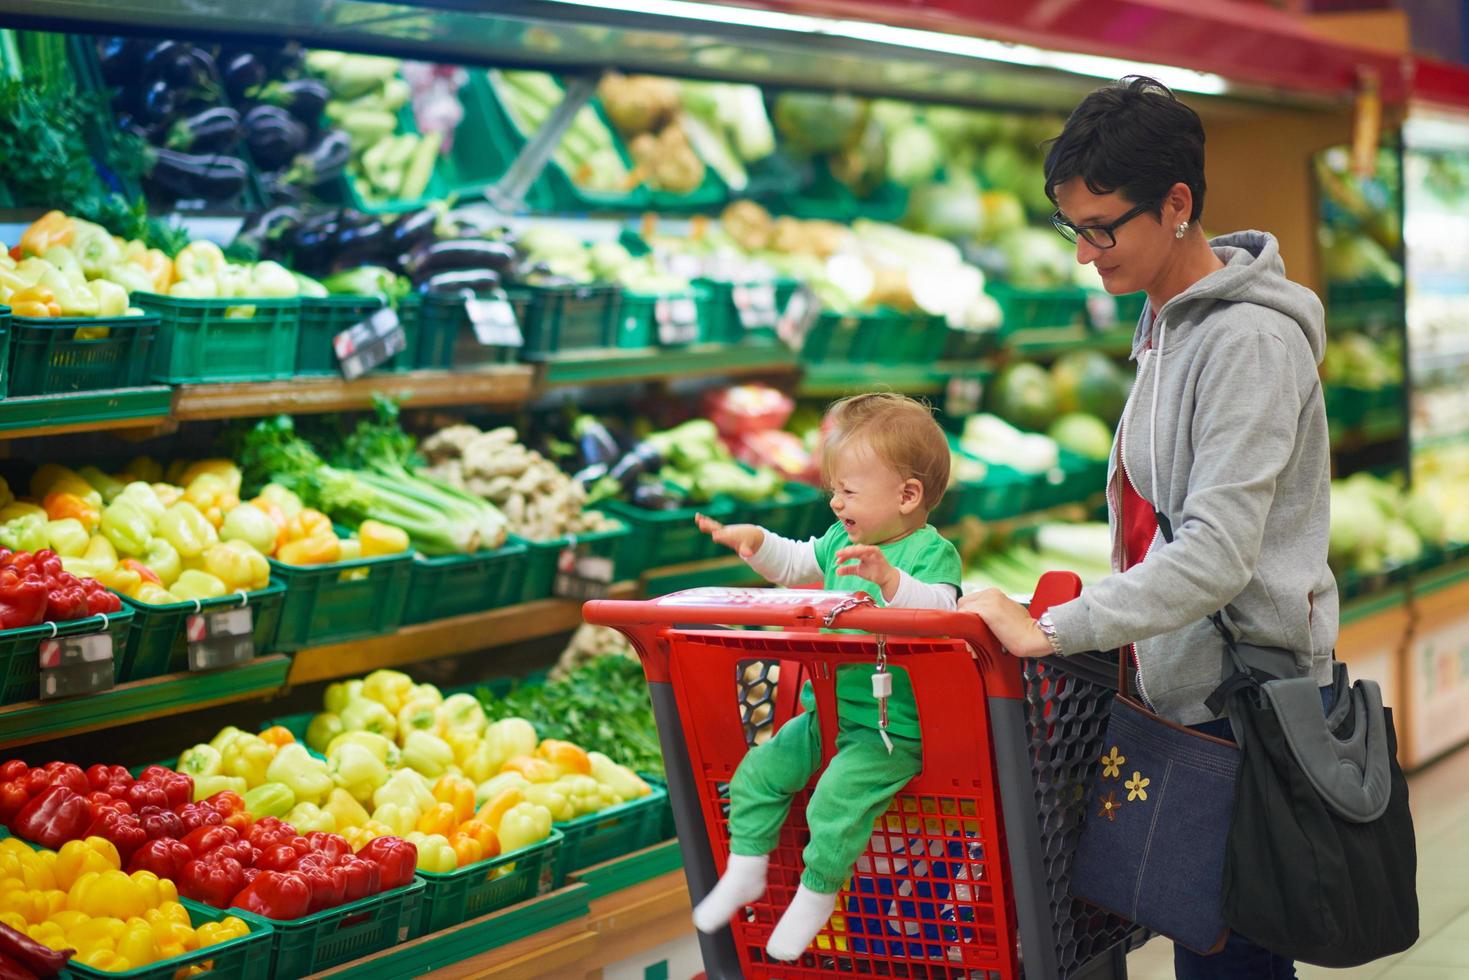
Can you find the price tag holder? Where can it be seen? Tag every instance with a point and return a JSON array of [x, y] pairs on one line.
[[494, 321], [797, 318], [76, 665], [581, 575], [220, 638], [678, 320], [363, 346], [755, 304]]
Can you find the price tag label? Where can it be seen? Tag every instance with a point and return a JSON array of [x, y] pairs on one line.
[[678, 320], [796, 319], [964, 395], [75, 665], [756, 305], [1101, 310], [494, 322], [220, 638], [580, 575], [363, 346]]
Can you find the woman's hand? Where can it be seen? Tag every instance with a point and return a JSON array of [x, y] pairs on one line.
[[872, 565], [745, 539], [1009, 621]]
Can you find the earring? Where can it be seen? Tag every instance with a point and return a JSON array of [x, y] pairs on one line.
[[1181, 229]]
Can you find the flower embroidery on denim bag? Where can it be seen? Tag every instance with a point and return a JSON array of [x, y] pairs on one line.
[[1110, 806], [1137, 787], [1112, 764]]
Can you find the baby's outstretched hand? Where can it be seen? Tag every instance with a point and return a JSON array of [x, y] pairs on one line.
[[745, 539], [871, 564]]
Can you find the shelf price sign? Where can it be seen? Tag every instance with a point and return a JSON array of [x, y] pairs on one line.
[[494, 321], [678, 320], [76, 664], [755, 303], [220, 638], [796, 319], [581, 575], [363, 346]]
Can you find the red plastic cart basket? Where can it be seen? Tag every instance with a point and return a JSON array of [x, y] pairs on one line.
[[966, 874]]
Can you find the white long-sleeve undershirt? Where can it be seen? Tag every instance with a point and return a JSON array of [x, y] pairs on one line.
[[786, 562]]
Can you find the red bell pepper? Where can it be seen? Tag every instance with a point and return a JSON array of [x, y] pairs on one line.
[[328, 887], [165, 857], [13, 797], [37, 781], [364, 878], [334, 845], [281, 857], [123, 829], [178, 787], [70, 776], [205, 839], [14, 769], [49, 562], [270, 831], [196, 815], [276, 895], [107, 803], [159, 822], [395, 857], [250, 875], [213, 880], [100, 599], [65, 600], [141, 794], [22, 599], [54, 817], [102, 777], [227, 802]]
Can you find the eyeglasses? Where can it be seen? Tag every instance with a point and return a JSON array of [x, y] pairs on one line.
[[1100, 236]]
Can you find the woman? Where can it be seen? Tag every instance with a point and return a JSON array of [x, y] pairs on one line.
[[1224, 436]]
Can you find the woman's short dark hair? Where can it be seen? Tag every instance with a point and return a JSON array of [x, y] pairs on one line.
[[1133, 137]]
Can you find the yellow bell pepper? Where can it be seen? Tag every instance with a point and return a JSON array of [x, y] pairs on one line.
[[77, 857], [321, 549], [120, 578], [19, 508], [39, 871], [167, 494], [200, 760], [50, 229], [127, 526], [308, 817], [462, 712], [194, 584], [356, 770], [358, 837], [627, 784], [522, 824], [427, 754], [308, 523], [390, 688], [406, 788], [307, 776], [400, 819], [553, 798], [494, 786], [458, 792], [186, 528], [345, 810], [437, 819], [207, 786], [338, 694], [212, 496], [238, 565], [435, 853], [273, 493], [138, 944], [252, 525], [502, 803], [351, 550], [419, 715], [154, 595], [247, 757], [583, 792], [214, 933], [533, 769], [365, 715], [567, 757], [164, 561], [68, 537], [381, 539], [107, 893], [108, 960], [223, 469], [101, 552], [143, 469], [378, 745], [467, 850]]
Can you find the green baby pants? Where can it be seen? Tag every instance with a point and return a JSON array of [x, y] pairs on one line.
[[853, 792]]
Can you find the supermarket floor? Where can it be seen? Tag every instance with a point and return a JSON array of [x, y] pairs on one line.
[[1440, 800]]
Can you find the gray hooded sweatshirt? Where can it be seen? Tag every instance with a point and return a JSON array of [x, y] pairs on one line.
[[1225, 432]]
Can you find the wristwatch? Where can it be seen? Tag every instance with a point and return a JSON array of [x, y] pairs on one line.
[[1049, 628]]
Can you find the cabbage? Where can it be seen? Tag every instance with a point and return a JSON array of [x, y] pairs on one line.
[[914, 154], [951, 209], [1035, 257]]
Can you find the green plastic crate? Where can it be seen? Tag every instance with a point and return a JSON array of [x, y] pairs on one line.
[[20, 672], [852, 337], [791, 513], [823, 197], [440, 336], [726, 298], [1004, 492], [613, 832], [970, 345], [202, 340], [46, 358], [1363, 304], [1038, 309], [156, 641], [4, 346], [1130, 308], [568, 319], [541, 558], [666, 537], [912, 338], [488, 886], [242, 958], [638, 319], [455, 585], [322, 318], [1075, 478], [332, 937], [344, 600]]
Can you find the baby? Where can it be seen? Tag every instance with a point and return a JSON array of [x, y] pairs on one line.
[[886, 463]]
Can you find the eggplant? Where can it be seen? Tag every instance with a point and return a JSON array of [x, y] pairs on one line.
[[304, 98], [180, 65], [121, 59], [159, 104], [264, 233], [273, 136], [185, 176], [355, 245], [656, 496], [286, 62], [323, 161], [211, 131], [457, 281], [447, 256], [595, 442], [413, 229], [242, 73], [642, 460]]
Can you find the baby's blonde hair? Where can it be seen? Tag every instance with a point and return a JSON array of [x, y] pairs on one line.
[[902, 434]]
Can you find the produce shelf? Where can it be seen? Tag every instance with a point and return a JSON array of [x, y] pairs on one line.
[[1372, 604], [623, 366], [84, 411], [836, 378], [631, 869], [731, 572], [444, 638], [1114, 343], [156, 697], [497, 385], [1379, 425]]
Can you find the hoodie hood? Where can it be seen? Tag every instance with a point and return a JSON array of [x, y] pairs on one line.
[[1253, 273]]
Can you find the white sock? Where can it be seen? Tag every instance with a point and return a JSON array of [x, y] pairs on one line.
[[809, 911], [743, 882]]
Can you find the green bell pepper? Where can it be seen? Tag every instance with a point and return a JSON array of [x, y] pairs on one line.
[[127, 526], [269, 800], [307, 777]]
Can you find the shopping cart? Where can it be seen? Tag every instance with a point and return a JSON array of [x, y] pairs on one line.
[[966, 874]]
